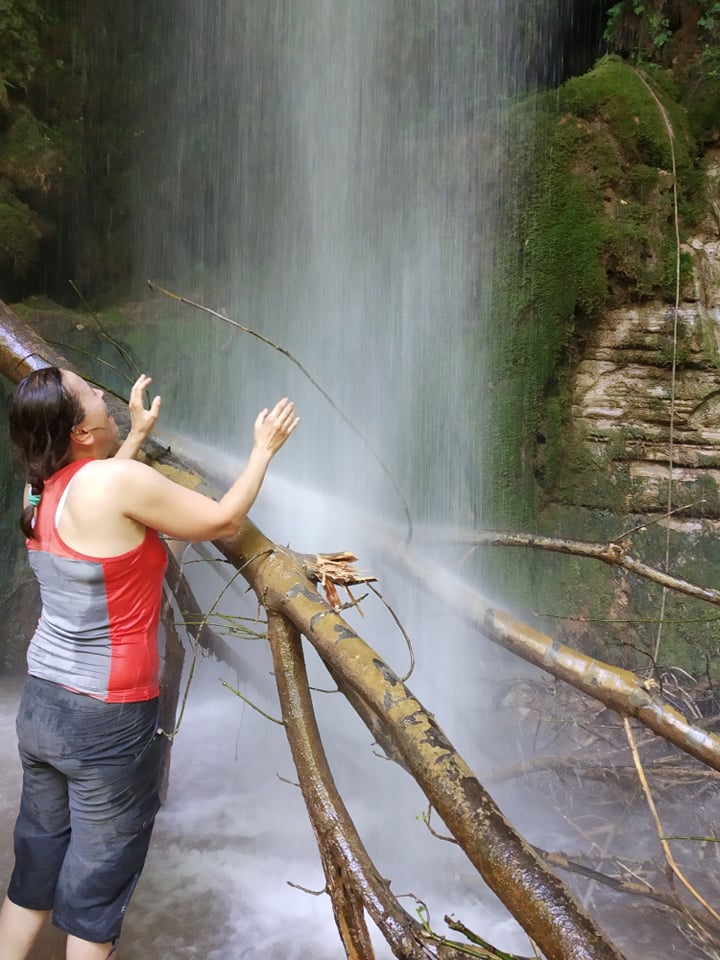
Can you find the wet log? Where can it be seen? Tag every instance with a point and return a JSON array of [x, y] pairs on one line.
[[517, 875], [352, 880]]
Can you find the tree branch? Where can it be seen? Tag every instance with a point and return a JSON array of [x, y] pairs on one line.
[[533, 894], [351, 877], [612, 553]]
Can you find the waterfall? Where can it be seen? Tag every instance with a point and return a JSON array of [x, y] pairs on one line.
[[329, 175]]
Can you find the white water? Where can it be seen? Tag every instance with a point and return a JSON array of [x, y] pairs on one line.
[[327, 174]]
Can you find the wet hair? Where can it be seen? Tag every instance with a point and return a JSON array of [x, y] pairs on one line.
[[42, 412]]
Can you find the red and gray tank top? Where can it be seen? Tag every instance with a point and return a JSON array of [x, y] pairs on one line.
[[98, 630]]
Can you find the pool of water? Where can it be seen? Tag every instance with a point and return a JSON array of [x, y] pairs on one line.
[[230, 838]]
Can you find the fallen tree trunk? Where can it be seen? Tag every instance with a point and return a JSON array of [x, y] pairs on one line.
[[532, 893], [21, 350], [617, 688], [352, 879]]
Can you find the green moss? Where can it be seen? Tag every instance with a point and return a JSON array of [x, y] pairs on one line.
[[626, 98], [19, 236], [590, 223], [40, 160], [687, 60], [22, 23]]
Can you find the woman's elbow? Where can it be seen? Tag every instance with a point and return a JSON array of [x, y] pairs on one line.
[[223, 528], [226, 532], [216, 524]]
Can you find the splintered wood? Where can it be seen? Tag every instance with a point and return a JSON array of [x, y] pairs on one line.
[[332, 570]]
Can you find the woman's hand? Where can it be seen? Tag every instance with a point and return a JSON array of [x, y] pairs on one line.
[[142, 421], [273, 427]]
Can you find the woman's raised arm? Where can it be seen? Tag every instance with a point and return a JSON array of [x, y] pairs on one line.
[[144, 495]]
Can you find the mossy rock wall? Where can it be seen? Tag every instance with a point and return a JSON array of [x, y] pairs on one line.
[[603, 388], [591, 225]]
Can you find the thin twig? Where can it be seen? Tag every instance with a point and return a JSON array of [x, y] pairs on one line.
[[401, 628], [125, 354], [250, 703], [676, 312], [670, 859], [196, 646]]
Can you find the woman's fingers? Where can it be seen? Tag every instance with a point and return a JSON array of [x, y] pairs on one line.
[[275, 426], [142, 419]]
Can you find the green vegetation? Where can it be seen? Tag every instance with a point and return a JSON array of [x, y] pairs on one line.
[[683, 40], [40, 160], [590, 224], [19, 235], [22, 25], [71, 81]]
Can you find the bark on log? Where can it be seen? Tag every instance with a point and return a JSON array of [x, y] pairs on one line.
[[350, 874], [533, 894]]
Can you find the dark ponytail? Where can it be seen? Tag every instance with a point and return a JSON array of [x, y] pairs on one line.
[[42, 414]]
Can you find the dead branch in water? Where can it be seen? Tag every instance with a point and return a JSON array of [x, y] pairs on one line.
[[613, 553]]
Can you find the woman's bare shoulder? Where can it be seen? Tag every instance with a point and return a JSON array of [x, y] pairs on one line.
[[112, 472]]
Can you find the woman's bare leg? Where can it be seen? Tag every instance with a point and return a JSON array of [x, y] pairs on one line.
[[78, 949], [19, 928]]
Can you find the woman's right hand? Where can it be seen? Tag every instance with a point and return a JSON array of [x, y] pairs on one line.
[[142, 421], [273, 427]]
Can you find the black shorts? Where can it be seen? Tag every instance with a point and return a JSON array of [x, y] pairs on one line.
[[89, 798]]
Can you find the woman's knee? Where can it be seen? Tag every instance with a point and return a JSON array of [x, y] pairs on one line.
[[78, 949]]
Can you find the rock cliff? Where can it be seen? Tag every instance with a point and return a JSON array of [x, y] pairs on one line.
[[646, 391]]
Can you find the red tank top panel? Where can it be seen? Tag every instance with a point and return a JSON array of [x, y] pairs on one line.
[[98, 630]]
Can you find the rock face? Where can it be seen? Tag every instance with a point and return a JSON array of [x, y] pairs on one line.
[[647, 387]]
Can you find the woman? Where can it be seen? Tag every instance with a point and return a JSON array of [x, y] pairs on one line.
[[87, 721]]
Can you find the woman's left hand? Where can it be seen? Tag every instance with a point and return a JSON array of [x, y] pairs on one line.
[[141, 420]]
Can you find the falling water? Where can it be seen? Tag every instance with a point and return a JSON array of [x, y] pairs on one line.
[[330, 175]]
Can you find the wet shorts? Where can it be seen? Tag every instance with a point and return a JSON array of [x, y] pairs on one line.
[[89, 799]]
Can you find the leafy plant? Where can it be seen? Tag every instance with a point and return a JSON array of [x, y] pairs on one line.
[[21, 26]]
